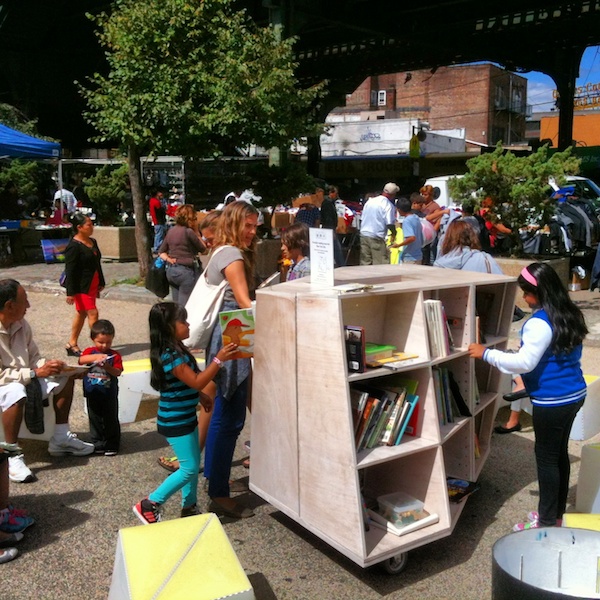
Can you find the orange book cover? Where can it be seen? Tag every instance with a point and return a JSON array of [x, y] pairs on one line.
[[237, 326]]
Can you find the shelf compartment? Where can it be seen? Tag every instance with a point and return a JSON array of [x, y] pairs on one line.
[[494, 304], [380, 454], [395, 319], [459, 453], [456, 302], [421, 476]]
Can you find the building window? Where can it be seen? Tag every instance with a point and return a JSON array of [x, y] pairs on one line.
[[373, 98], [381, 98]]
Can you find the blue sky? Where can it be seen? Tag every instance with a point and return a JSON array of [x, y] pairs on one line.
[[540, 86]]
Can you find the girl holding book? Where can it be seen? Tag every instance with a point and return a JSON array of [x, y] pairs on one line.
[[549, 360], [175, 374], [236, 235]]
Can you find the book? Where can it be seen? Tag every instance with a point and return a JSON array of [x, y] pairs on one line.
[[364, 419], [411, 386], [381, 522], [393, 418], [389, 404], [237, 327], [357, 405], [437, 329], [375, 352], [459, 489], [355, 348], [395, 357], [411, 400]]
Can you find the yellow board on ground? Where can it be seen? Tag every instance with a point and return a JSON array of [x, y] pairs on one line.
[[182, 559], [581, 521]]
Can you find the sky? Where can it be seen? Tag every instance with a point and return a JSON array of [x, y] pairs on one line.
[[540, 86]]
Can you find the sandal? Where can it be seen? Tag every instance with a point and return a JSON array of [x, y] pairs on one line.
[[246, 464], [73, 350], [170, 463]]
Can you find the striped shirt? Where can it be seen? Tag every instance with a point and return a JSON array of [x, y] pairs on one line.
[[177, 404]]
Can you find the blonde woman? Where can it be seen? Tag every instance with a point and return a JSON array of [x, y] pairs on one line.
[[180, 250], [236, 235]]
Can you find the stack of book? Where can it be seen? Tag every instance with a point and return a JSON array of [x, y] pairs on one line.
[[459, 489], [450, 401], [440, 341], [382, 415]]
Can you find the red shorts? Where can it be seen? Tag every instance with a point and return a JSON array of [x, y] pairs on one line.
[[88, 301]]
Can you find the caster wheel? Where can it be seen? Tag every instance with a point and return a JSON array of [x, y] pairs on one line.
[[396, 564]]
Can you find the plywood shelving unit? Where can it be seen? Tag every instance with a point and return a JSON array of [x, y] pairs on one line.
[[304, 460]]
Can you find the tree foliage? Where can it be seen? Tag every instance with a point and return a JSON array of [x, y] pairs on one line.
[[517, 184], [107, 188], [187, 75]]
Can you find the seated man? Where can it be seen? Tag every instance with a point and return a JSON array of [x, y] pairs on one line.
[[20, 362]]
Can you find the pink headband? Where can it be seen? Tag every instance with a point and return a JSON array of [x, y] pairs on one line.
[[528, 277]]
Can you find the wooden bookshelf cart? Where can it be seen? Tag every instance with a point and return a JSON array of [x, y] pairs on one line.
[[304, 460]]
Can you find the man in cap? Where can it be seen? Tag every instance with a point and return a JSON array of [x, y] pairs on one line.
[[378, 217]]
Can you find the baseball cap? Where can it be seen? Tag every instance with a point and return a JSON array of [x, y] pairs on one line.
[[391, 188]]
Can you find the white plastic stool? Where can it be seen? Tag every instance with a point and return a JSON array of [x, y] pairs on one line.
[[588, 484]]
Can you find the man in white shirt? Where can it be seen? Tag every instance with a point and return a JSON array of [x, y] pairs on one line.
[[378, 217]]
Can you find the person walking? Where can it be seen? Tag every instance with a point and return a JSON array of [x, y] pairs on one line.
[[180, 250], [84, 277], [378, 217]]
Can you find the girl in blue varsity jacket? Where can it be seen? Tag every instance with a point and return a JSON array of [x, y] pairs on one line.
[[549, 360], [175, 374]]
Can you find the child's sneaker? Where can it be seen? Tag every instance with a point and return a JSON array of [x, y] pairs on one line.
[[524, 526], [533, 516], [11, 523], [147, 512]]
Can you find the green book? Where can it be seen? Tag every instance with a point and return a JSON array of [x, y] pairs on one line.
[[378, 351]]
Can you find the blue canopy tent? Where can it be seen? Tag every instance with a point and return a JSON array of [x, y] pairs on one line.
[[14, 144]]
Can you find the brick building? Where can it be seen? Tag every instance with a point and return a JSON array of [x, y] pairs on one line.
[[489, 102]]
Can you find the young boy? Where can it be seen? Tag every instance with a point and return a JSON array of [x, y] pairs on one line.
[[413, 233], [101, 388]]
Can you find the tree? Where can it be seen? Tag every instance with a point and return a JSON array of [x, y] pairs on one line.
[[518, 185], [185, 76], [108, 187]]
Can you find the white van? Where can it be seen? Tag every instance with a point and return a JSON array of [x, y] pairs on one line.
[[441, 193]]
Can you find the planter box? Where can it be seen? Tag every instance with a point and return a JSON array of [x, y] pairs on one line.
[[513, 266], [116, 243]]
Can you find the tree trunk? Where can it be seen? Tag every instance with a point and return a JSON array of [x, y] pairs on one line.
[[142, 239]]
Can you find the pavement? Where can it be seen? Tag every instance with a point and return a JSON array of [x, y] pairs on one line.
[[81, 503]]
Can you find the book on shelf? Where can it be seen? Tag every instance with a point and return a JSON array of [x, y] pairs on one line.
[[358, 399], [355, 348], [388, 403], [484, 302], [374, 352], [237, 327], [394, 417], [437, 328], [408, 408], [411, 386], [476, 446], [459, 489], [396, 361], [381, 522], [449, 399], [364, 420], [365, 513], [459, 400]]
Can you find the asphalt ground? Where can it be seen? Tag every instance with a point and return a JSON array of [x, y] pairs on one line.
[[80, 503]]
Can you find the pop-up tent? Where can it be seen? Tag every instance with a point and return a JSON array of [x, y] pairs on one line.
[[15, 144]]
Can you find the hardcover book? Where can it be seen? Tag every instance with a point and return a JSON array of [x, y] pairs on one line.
[[355, 348], [459, 489]]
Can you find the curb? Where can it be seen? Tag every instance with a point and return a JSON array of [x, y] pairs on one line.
[[123, 292]]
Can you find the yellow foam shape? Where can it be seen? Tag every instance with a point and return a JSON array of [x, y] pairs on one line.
[[182, 559], [590, 378], [582, 521], [143, 364]]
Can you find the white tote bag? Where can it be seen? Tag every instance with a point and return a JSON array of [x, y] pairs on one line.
[[203, 308]]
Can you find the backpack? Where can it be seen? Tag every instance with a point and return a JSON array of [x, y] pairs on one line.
[[429, 232]]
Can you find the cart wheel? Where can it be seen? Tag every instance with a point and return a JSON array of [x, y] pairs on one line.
[[396, 564]]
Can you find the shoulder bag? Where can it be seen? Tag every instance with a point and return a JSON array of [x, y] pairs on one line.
[[203, 308]]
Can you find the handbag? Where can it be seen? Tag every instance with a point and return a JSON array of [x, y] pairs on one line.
[[203, 308], [62, 280], [156, 278]]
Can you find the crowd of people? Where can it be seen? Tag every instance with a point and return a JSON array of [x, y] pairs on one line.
[[415, 228]]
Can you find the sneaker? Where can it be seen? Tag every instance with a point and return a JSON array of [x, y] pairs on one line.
[[247, 446], [147, 512], [533, 516], [8, 554], [111, 453], [18, 471], [70, 445], [524, 526], [10, 523], [190, 511]]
